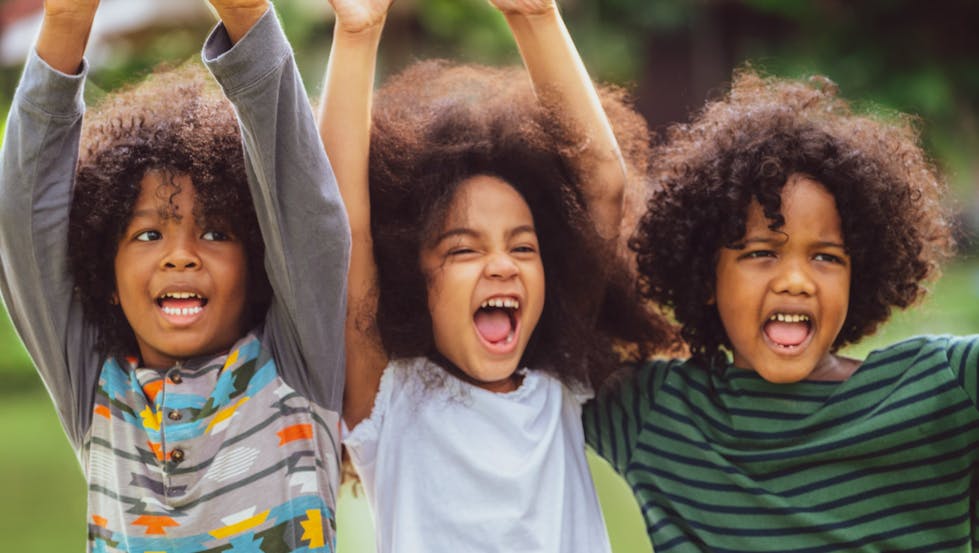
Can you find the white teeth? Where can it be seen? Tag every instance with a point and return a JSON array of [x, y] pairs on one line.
[[182, 311], [788, 318], [181, 295], [508, 303], [509, 338]]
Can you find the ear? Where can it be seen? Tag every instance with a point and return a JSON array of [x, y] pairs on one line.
[[114, 299]]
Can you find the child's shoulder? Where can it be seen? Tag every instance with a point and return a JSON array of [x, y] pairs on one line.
[[650, 374], [955, 350]]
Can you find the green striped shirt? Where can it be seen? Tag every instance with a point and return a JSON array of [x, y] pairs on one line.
[[725, 461]]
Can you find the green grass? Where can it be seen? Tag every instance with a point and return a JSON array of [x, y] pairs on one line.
[[951, 307], [44, 492]]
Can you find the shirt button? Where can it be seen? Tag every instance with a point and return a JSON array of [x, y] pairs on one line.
[[174, 415], [176, 378], [177, 455]]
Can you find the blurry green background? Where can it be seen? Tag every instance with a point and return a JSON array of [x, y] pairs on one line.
[[672, 54]]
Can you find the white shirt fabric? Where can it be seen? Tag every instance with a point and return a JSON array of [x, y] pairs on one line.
[[451, 467]]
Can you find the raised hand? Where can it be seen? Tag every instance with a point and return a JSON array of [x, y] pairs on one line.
[[354, 16], [524, 7]]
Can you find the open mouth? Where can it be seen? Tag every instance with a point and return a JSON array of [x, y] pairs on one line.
[[181, 304], [788, 330], [496, 320]]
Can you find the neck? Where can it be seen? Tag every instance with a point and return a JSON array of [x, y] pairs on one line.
[[505, 385]]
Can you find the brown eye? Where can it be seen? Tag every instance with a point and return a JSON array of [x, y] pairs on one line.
[[148, 236], [757, 254], [829, 258], [216, 236]]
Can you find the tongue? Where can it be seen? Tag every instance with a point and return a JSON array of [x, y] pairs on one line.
[[787, 334], [180, 304], [493, 324]]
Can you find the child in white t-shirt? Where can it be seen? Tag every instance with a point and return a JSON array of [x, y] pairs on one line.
[[470, 193]]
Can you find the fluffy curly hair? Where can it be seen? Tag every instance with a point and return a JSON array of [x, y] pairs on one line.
[[744, 147], [437, 124], [178, 123]]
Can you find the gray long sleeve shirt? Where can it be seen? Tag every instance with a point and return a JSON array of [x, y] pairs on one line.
[[238, 449]]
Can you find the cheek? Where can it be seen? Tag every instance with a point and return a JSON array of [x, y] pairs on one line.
[[433, 289]]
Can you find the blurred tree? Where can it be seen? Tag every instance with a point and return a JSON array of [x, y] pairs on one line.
[[674, 54]]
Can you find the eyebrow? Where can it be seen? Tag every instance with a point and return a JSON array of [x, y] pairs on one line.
[[139, 213], [767, 240], [466, 231]]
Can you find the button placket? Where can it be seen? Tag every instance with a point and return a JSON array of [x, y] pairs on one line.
[[175, 455]]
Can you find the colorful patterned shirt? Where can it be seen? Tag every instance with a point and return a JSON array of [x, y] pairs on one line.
[[221, 452], [726, 461]]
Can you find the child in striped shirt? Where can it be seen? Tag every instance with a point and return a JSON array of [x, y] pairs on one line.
[[784, 227], [162, 288]]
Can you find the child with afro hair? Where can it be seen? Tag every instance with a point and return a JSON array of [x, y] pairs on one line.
[[784, 226], [476, 323], [154, 262]]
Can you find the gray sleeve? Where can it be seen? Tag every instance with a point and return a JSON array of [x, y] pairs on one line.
[[302, 219], [37, 167]]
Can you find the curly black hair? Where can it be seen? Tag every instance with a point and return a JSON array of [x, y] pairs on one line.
[[437, 124], [176, 122], [744, 147]]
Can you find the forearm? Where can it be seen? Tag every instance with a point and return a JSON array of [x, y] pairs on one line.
[[344, 117], [37, 165], [64, 35], [297, 203], [344, 124], [563, 86]]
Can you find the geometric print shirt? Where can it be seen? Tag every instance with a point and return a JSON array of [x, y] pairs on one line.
[[233, 452], [224, 456]]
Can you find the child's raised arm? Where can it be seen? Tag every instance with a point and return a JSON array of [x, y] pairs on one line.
[[37, 167], [64, 33], [345, 120], [563, 86], [297, 204]]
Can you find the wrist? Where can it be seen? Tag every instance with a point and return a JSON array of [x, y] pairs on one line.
[[62, 40], [239, 19], [354, 32], [543, 13], [68, 23]]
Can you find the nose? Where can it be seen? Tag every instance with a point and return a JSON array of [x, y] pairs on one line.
[[500, 266], [181, 255], [793, 278]]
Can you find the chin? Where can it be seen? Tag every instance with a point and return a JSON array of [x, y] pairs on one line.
[[783, 376]]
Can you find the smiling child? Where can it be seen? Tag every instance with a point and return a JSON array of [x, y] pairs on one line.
[[159, 287], [475, 285], [785, 227]]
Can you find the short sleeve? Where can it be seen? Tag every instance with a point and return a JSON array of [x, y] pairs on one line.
[[362, 440], [614, 418], [963, 359]]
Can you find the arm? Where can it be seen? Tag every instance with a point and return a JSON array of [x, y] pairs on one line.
[[563, 86], [344, 122], [614, 418], [303, 224], [37, 167]]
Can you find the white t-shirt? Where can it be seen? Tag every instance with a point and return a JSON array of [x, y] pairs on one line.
[[450, 467]]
